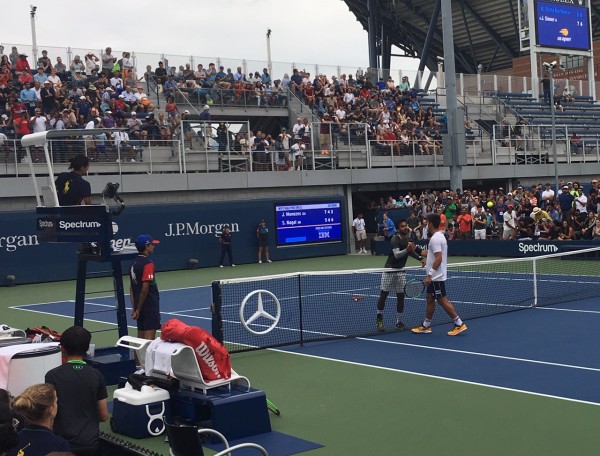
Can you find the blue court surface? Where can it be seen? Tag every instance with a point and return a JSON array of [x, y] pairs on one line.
[[547, 350]]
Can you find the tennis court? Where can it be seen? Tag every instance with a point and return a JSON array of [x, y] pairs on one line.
[[525, 381]]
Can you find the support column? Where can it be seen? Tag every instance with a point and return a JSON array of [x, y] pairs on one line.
[[372, 33], [428, 39], [456, 157]]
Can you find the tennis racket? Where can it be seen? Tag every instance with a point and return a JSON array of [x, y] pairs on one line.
[[414, 288]]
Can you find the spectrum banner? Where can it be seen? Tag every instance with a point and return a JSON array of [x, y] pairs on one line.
[[185, 231]]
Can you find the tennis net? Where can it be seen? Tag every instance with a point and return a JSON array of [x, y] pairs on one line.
[[286, 309]]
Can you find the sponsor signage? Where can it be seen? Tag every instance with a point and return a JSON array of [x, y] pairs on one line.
[[39, 246]]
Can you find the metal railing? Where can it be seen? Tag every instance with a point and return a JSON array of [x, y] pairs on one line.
[[218, 96], [534, 145], [197, 146]]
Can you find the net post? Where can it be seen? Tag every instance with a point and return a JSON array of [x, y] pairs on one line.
[[301, 320], [215, 309], [535, 283]]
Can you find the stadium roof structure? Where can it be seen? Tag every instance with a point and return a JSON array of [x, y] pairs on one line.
[[486, 32]]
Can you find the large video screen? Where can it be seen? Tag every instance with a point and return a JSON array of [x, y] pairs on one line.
[[308, 223], [562, 26]]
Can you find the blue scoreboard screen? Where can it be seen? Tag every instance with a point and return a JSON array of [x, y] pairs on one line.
[[308, 223], [562, 26]]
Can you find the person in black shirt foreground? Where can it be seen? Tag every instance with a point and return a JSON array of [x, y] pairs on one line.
[[81, 393], [71, 187], [401, 248], [226, 246]]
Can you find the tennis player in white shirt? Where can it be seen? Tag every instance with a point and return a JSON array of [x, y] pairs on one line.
[[437, 260]]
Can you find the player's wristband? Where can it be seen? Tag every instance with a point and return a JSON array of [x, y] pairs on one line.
[[420, 258]]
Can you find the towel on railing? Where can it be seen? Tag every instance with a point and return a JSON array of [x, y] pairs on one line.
[[158, 356]]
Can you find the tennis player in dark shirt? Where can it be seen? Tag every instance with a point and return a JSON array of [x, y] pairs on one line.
[[71, 187], [401, 249]]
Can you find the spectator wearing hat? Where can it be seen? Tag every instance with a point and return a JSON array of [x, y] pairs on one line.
[[509, 223], [539, 214], [131, 103], [22, 65], [108, 121], [82, 109], [565, 201], [143, 290], [143, 101], [205, 114]]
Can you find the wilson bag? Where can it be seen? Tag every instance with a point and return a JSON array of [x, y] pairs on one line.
[[213, 358]]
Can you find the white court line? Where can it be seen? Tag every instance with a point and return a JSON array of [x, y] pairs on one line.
[[437, 377], [485, 355], [356, 363], [568, 310], [102, 297]]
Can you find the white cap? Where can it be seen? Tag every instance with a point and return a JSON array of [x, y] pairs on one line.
[[206, 107]]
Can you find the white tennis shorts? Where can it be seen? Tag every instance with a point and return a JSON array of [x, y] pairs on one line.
[[361, 234], [393, 281]]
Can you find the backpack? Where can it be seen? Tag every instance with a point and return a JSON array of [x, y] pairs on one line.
[[43, 334]]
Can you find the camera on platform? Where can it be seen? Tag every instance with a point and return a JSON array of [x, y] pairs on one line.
[[111, 190]]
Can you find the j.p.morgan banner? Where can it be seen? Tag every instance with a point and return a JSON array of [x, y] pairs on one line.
[[189, 231]]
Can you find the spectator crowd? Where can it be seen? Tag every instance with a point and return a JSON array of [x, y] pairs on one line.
[[524, 213], [92, 92]]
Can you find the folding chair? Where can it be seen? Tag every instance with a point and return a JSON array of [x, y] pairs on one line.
[[185, 440]]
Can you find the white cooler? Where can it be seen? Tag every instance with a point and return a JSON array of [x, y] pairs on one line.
[[139, 414], [23, 365]]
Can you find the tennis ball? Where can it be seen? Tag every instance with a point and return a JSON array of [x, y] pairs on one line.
[[490, 204]]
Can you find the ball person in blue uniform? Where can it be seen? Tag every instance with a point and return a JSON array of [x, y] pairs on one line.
[[143, 290], [226, 249]]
